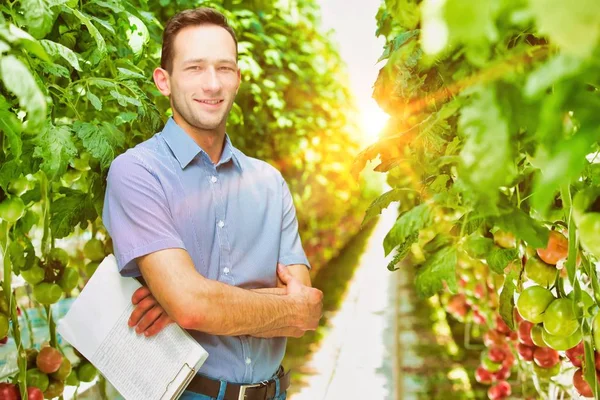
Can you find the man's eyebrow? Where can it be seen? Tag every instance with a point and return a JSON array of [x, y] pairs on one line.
[[203, 60]]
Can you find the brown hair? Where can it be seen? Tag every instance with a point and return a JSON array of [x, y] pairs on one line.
[[193, 17]]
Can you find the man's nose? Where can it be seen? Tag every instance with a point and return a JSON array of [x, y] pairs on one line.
[[211, 81]]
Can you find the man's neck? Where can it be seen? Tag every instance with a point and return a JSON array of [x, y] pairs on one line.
[[211, 141]]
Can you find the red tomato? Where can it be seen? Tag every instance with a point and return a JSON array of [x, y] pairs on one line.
[[501, 325], [483, 376], [577, 354], [582, 387], [496, 354], [499, 391], [493, 338], [546, 357], [9, 391], [525, 352], [502, 374], [557, 249], [524, 331]]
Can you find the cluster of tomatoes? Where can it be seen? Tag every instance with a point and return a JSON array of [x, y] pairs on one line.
[[497, 360], [48, 371], [548, 337]]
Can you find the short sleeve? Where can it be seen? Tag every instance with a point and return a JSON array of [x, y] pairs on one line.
[[290, 248], [136, 213]]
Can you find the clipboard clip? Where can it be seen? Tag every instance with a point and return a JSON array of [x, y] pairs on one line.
[[183, 385]]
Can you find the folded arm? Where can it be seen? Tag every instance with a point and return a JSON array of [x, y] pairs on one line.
[[197, 303]]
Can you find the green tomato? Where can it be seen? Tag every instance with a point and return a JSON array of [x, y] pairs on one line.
[[86, 372], [59, 255], [94, 250], [37, 378], [3, 304], [47, 293], [532, 303], [540, 272], [561, 343], [11, 210], [585, 201], [69, 279], [589, 226], [90, 268], [560, 318], [72, 379], [63, 371], [546, 373], [34, 275], [3, 326], [20, 186], [55, 389], [536, 336], [489, 364]]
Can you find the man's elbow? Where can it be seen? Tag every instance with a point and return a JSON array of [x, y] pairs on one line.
[[189, 317]]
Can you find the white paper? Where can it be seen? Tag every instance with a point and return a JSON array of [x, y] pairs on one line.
[[140, 368]]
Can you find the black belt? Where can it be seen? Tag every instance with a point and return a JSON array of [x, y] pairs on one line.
[[234, 391]]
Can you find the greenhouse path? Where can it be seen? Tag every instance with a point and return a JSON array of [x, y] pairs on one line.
[[356, 358]]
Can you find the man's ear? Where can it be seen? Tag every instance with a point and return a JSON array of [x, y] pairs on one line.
[[161, 80]]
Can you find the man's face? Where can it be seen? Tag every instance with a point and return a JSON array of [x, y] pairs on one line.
[[204, 78]]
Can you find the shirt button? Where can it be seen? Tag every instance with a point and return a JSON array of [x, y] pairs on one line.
[[221, 224], [248, 361], [226, 270], [213, 179]]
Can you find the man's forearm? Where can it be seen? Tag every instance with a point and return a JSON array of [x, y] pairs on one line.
[[232, 311]]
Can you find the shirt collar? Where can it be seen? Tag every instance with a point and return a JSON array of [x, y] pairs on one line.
[[185, 149]]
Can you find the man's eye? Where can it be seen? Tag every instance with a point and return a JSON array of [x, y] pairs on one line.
[[194, 68], [226, 69]]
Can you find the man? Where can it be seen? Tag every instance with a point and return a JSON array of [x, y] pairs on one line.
[[213, 232]]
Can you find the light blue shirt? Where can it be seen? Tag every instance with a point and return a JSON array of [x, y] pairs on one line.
[[236, 219]]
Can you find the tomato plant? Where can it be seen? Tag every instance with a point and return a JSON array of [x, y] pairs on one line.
[[493, 148]]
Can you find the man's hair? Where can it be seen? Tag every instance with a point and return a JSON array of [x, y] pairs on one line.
[[194, 17]]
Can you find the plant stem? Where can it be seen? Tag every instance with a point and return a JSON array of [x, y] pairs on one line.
[[51, 325], [12, 303]]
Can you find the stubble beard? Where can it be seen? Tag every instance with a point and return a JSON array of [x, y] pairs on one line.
[[195, 120]]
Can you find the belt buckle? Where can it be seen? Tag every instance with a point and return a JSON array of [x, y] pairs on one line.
[[242, 395]]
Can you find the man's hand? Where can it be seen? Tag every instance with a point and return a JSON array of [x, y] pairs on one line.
[[309, 300], [148, 315]]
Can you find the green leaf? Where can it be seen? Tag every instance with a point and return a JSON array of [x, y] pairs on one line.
[[67, 212], [559, 67], [487, 152], [57, 49], [54, 145], [498, 258], [382, 202], [93, 31], [402, 251], [524, 227], [55, 69], [96, 102], [11, 127], [39, 17], [125, 73], [507, 300], [9, 171], [398, 41], [478, 246], [18, 79], [21, 38], [572, 25], [439, 268], [125, 117], [103, 141], [125, 100], [411, 221], [561, 167]]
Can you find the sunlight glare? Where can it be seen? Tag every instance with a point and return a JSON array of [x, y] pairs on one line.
[[373, 120]]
